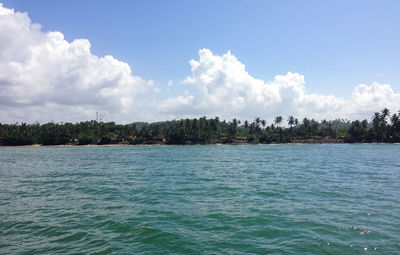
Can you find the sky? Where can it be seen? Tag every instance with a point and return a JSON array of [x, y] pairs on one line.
[[161, 60]]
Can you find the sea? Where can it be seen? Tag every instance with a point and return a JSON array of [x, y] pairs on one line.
[[201, 199]]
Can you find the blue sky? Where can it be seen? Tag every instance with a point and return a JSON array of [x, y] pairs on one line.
[[336, 45]]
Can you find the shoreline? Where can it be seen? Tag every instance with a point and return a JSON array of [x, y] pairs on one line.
[[217, 144]]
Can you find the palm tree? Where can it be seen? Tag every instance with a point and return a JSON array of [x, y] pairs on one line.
[[394, 117], [395, 120], [376, 122], [384, 114], [376, 119], [232, 128], [396, 124], [278, 120], [263, 123], [235, 122], [291, 121]]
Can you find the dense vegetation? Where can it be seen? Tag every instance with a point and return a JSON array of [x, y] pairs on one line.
[[383, 127]]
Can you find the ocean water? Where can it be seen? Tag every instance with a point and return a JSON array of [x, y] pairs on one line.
[[250, 199]]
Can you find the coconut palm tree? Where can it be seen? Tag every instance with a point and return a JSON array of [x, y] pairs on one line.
[[291, 121], [278, 120], [394, 119], [377, 124], [385, 112], [395, 128], [376, 119], [263, 123], [235, 122]]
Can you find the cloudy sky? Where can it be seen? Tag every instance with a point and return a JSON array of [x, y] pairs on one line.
[[161, 60]]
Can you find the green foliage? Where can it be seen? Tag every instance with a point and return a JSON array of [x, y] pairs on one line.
[[105, 140], [86, 139], [382, 128]]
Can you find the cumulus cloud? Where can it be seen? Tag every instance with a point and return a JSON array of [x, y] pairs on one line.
[[366, 99], [43, 77], [42, 73], [225, 88]]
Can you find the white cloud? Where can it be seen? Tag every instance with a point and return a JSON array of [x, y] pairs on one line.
[[225, 88], [367, 99], [44, 77]]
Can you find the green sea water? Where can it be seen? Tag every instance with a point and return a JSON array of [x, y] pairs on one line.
[[250, 199]]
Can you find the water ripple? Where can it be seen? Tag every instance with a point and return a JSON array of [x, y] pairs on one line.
[[286, 199]]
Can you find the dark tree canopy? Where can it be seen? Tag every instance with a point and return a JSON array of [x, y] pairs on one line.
[[383, 127]]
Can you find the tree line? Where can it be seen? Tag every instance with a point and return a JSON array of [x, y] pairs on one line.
[[383, 127]]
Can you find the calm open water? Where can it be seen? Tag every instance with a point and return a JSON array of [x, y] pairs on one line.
[[282, 199]]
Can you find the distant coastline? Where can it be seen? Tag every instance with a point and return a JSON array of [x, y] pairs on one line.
[[383, 127], [139, 145]]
